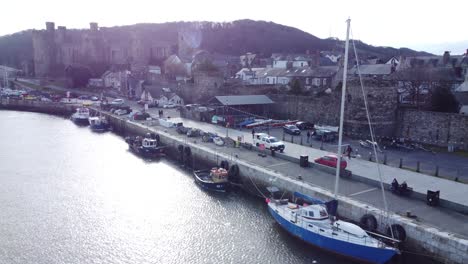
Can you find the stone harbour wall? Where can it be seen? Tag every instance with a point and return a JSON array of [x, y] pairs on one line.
[[434, 128]]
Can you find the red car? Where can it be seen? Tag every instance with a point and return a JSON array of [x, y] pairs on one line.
[[331, 160]]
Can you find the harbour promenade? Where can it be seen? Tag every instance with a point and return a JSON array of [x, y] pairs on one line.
[[436, 231]]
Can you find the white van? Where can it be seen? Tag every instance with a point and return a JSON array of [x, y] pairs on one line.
[[269, 142]]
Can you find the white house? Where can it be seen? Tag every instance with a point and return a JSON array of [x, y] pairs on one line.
[[300, 62], [114, 79], [146, 96], [170, 98], [280, 63]]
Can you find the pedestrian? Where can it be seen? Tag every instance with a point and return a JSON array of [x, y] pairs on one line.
[[349, 150], [308, 136], [253, 133]]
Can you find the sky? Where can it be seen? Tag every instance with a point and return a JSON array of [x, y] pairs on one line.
[[433, 26]]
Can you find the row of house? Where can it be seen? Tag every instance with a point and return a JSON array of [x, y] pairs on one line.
[[309, 77], [162, 96]]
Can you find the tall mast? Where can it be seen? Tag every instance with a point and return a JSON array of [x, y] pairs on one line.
[[343, 93]]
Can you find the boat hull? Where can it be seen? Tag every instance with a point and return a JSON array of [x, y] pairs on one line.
[[100, 128], [80, 121], [146, 152], [350, 250], [210, 185]]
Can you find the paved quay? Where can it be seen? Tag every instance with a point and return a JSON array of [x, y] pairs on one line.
[[452, 194], [441, 218]]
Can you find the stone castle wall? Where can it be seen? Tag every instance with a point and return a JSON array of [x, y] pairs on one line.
[[441, 129], [325, 108], [54, 50]]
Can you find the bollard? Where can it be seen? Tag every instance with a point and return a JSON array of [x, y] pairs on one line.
[[401, 163], [301, 140], [437, 171], [292, 139], [385, 159], [417, 167]]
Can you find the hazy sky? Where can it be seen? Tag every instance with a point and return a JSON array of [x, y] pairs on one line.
[[428, 25]]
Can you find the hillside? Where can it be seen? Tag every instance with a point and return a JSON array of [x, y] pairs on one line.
[[231, 38]]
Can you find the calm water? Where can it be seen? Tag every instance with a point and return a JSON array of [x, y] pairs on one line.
[[68, 195]]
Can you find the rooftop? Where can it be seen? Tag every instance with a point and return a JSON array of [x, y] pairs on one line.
[[244, 100]]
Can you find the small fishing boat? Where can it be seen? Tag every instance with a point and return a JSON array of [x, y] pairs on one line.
[[147, 147], [215, 179], [98, 124], [81, 116]]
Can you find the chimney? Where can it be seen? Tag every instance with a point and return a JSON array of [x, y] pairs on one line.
[[446, 57], [93, 26], [50, 26]]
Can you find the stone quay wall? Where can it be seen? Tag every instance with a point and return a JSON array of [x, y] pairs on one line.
[[440, 129]]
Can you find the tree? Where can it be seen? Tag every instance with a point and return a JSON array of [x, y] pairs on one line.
[[443, 100], [296, 87]]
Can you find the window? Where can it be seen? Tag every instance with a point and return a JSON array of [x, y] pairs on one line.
[[324, 81], [311, 214]]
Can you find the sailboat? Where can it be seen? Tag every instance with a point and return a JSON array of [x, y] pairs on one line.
[[314, 221]]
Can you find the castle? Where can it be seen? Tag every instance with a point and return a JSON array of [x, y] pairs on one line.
[[96, 49]]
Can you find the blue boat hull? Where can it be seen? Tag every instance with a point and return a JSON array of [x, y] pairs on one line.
[[211, 186], [100, 127], [80, 121], [353, 251]]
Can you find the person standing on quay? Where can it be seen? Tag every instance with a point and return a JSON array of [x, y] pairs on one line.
[[253, 132], [308, 136]]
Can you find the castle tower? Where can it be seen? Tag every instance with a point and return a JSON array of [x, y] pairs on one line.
[[44, 50]]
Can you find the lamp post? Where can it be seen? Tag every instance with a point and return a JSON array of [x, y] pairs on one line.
[[227, 123]]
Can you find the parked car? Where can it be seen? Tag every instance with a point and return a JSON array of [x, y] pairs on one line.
[[269, 142], [117, 102], [324, 135], [170, 105], [139, 116], [218, 141], [291, 129], [331, 161], [122, 111], [305, 125]]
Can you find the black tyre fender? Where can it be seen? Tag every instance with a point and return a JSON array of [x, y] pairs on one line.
[[224, 164], [188, 151], [233, 171], [256, 144], [281, 150], [369, 222], [398, 232], [180, 148]]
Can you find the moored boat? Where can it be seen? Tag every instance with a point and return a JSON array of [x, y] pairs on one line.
[[81, 116], [215, 179], [315, 221], [98, 124], [147, 147], [312, 224]]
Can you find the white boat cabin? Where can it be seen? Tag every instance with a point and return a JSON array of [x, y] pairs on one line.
[[149, 143], [314, 212]]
